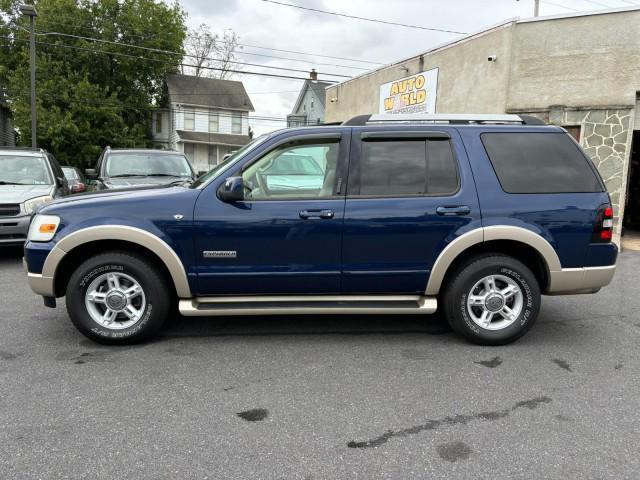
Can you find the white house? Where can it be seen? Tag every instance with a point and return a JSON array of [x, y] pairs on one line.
[[309, 107], [206, 118]]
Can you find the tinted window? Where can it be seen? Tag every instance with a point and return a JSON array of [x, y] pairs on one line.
[[406, 167], [539, 163]]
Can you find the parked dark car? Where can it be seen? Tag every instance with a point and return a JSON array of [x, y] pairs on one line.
[[76, 179], [140, 168], [474, 216], [29, 178]]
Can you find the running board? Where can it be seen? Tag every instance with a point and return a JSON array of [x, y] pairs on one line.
[[309, 304]]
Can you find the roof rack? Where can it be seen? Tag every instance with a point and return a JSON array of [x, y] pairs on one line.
[[445, 118]]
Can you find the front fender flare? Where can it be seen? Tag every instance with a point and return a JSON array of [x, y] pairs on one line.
[[121, 232]]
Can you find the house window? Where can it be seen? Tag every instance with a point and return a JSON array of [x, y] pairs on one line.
[[158, 122], [236, 122], [189, 119], [190, 151], [214, 121]]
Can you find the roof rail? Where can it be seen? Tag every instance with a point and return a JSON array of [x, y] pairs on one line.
[[446, 118]]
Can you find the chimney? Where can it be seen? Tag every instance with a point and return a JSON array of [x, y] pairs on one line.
[[313, 75]]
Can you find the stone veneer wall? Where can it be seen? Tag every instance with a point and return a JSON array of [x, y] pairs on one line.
[[606, 137]]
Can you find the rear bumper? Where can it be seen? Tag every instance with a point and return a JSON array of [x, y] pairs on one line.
[[13, 230], [580, 280]]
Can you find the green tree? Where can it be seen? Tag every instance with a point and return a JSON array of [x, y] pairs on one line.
[[90, 94]]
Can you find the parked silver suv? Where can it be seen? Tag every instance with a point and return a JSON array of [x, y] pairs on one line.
[[28, 178]]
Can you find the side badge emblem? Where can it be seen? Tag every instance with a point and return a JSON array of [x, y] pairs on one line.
[[178, 216]]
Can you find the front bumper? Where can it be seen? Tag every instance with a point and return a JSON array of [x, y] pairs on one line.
[[13, 230], [40, 284]]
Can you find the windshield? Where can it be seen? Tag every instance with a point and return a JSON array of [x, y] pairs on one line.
[[235, 156], [70, 173], [147, 164], [24, 170]]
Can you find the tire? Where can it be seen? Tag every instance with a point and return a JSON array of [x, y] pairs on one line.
[[92, 290], [470, 301]]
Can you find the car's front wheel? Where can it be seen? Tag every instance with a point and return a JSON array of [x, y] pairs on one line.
[[117, 298], [493, 300]]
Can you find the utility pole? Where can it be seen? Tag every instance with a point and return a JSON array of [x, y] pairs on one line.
[[30, 11]]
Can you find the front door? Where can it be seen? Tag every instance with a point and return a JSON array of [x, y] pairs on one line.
[[285, 237], [409, 194]]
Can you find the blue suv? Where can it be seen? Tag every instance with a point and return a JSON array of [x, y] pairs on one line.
[[472, 216]]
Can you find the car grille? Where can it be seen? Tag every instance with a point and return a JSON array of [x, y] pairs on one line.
[[9, 209]]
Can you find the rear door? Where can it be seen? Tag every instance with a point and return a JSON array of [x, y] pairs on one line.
[[409, 194]]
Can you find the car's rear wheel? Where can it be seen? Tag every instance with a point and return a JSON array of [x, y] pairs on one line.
[[117, 298], [492, 300]]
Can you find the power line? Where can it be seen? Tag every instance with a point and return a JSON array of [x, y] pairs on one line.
[[140, 57], [168, 52], [597, 3], [365, 19], [147, 37], [312, 54], [558, 5], [149, 108]]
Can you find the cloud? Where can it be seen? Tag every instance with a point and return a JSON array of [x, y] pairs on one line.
[[264, 24]]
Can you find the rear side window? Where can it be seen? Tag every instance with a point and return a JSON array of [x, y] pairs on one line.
[[404, 168], [540, 163]]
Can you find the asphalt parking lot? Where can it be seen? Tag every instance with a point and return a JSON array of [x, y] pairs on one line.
[[322, 397]]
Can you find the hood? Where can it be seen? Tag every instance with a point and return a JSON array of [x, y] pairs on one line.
[[139, 181], [22, 193], [103, 196]]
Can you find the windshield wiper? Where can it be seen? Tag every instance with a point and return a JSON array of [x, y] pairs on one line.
[[2, 182]]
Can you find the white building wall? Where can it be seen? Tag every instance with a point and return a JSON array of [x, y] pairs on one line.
[[201, 119]]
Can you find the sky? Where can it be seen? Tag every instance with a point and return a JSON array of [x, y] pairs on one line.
[[260, 23]]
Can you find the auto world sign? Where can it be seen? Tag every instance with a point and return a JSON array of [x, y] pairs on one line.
[[414, 94]]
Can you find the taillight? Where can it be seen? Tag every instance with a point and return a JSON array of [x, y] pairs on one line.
[[78, 187], [603, 229]]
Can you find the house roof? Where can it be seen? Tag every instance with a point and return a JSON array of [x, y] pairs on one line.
[[208, 92], [317, 87], [214, 138]]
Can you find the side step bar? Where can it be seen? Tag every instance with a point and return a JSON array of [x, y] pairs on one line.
[[308, 304]]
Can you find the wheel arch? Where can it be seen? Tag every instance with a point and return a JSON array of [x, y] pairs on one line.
[[523, 244], [76, 247]]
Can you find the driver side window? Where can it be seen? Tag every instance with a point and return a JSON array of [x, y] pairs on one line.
[[293, 171]]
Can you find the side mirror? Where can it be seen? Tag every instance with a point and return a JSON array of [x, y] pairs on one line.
[[232, 190], [59, 182], [91, 173], [201, 172]]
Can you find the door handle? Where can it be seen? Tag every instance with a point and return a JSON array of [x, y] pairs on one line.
[[308, 214], [448, 211]]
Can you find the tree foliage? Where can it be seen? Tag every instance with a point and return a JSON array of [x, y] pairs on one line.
[[90, 94]]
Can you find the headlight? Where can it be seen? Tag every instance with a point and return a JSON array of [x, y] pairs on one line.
[[43, 228], [31, 205]]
